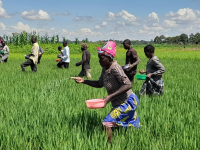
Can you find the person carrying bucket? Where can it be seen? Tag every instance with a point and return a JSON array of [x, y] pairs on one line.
[[154, 83], [118, 86]]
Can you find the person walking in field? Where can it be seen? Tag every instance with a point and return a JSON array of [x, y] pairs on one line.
[[1, 50], [40, 53], [154, 69], [65, 59], [132, 60], [5, 53], [85, 62], [61, 52], [33, 57], [118, 87], [1, 40]]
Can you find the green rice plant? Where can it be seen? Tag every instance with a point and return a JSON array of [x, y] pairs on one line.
[[47, 110]]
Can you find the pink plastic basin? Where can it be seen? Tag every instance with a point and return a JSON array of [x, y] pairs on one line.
[[95, 103]]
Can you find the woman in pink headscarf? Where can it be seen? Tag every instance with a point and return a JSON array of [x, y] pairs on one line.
[[118, 87]]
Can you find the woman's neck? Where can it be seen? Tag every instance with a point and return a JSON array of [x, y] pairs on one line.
[[108, 66], [152, 56]]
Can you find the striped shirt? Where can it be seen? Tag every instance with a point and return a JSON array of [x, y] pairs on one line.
[[112, 79]]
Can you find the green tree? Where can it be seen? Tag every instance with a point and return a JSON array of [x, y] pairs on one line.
[[162, 38], [184, 38], [197, 37], [157, 40], [76, 41]]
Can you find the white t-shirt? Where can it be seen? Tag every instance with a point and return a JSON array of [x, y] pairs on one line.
[[65, 57]]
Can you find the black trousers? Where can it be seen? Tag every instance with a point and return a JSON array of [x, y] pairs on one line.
[[30, 63], [39, 57], [61, 64]]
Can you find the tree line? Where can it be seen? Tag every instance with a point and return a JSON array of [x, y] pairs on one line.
[[23, 38]]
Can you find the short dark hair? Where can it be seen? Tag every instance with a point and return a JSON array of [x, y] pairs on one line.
[[149, 48], [34, 38], [127, 41], [59, 47], [65, 42]]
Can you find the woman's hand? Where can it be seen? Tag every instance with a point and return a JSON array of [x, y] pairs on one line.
[[149, 75], [107, 99], [78, 79], [142, 71]]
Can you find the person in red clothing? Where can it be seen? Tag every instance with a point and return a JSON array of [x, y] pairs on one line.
[[132, 60]]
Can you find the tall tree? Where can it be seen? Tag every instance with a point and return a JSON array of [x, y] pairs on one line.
[[157, 40], [162, 38], [197, 37], [184, 38], [191, 38]]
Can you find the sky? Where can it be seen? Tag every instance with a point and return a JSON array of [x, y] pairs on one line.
[[101, 20]]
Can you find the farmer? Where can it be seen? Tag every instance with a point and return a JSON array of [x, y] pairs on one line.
[[40, 53], [1, 50], [1, 40], [5, 53], [33, 57], [154, 69], [132, 60], [118, 87], [65, 59], [85, 62], [61, 52]]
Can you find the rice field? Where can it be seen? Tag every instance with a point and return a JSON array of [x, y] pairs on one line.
[[47, 110]]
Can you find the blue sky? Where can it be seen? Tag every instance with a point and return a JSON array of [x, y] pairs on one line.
[[101, 20]]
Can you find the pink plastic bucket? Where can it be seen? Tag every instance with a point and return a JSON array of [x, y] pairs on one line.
[[95, 103]]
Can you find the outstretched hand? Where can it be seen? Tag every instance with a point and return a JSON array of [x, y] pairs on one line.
[[78, 79]]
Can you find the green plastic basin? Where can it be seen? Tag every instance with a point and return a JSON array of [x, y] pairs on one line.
[[141, 77]]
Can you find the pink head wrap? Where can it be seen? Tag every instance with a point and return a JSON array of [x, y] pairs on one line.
[[108, 49]]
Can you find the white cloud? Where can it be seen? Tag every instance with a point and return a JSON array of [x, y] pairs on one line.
[[170, 23], [130, 19], [84, 18], [104, 24], [146, 32], [97, 27], [20, 27], [197, 12], [183, 15], [142, 32], [32, 15], [53, 29], [2, 26], [187, 30], [64, 13], [153, 17], [64, 31], [170, 14], [3, 13], [120, 24], [82, 33], [153, 28], [110, 16]]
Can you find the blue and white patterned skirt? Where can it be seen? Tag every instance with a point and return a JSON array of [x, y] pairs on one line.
[[124, 115]]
